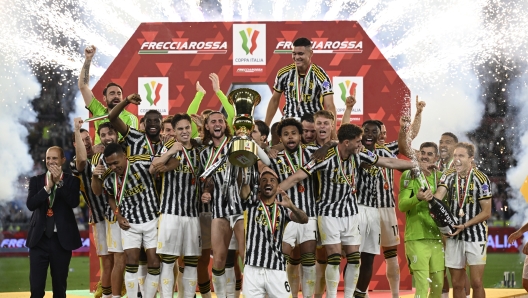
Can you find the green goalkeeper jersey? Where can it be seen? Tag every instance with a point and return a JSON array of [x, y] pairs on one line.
[[418, 223], [98, 109]]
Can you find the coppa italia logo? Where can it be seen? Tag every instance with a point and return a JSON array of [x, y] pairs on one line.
[[149, 87], [347, 88], [249, 49], [251, 34], [155, 94]]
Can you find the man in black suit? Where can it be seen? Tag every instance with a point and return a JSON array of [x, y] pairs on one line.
[[53, 234]]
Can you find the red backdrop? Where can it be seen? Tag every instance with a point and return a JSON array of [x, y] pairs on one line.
[[163, 62]]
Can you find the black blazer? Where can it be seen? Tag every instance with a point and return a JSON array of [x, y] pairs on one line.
[[66, 198]]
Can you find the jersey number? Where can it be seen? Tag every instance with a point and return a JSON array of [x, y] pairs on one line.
[[483, 247], [395, 230], [287, 286]]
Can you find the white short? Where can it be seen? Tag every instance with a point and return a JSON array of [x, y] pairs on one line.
[[233, 244], [369, 227], [113, 237], [206, 219], [344, 230], [296, 233], [261, 282], [99, 234], [390, 234], [525, 268], [145, 234], [459, 252], [179, 235], [233, 220]]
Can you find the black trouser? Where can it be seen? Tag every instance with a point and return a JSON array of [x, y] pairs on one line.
[[48, 253]]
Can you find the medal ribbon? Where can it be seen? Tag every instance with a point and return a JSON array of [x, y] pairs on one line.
[[149, 146], [431, 187], [120, 191], [214, 154], [384, 175], [191, 164], [341, 169], [266, 211], [464, 190], [290, 160], [96, 118], [298, 83], [51, 198]]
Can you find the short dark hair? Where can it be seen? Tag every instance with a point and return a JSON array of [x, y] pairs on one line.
[[110, 85], [430, 145], [105, 125], [372, 122], [152, 111], [178, 117], [73, 134], [302, 42], [263, 128], [307, 117], [142, 120], [289, 122], [380, 123], [450, 134], [113, 148], [469, 147], [348, 131]]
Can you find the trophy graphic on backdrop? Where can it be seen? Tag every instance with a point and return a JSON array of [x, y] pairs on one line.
[[243, 151]]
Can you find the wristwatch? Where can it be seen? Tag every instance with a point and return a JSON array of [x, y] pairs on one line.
[[60, 184]]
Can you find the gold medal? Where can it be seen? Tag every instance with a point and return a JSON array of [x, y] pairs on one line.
[[386, 186], [50, 212], [193, 181], [461, 213], [116, 212]]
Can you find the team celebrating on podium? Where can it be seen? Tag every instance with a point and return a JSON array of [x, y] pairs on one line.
[[165, 193]]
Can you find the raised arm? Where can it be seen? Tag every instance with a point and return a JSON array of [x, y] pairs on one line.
[[273, 105], [84, 76], [80, 151], [404, 141], [118, 124], [228, 107], [350, 102], [194, 106], [415, 126]]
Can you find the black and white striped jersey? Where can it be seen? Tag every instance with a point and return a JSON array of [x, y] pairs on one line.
[[311, 88], [223, 203], [264, 227], [287, 163], [376, 184], [465, 196], [393, 147], [140, 202], [179, 192], [136, 142], [97, 204], [338, 181]]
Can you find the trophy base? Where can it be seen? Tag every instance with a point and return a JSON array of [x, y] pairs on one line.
[[243, 153]]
